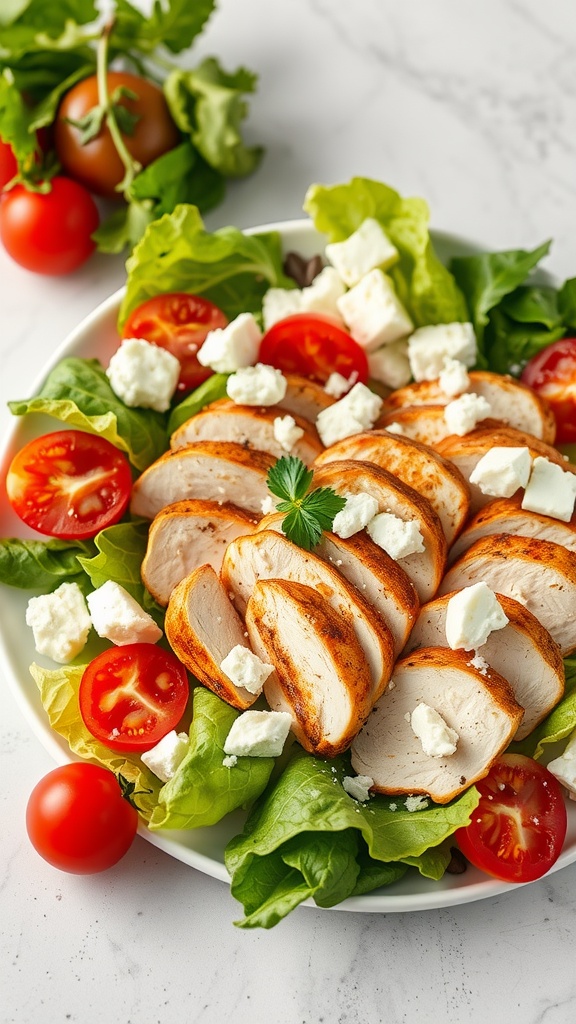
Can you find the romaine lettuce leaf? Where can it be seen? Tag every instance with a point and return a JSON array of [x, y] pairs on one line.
[[210, 391], [121, 549], [41, 564]]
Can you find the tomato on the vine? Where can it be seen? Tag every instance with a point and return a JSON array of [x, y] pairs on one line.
[[179, 323], [313, 346], [78, 820], [69, 484], [132, 696], [8, 163], [49, 232], [552, 374], [96, 164], [518, 828]]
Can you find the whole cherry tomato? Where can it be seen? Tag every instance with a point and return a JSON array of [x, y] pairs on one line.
[[552, 374]]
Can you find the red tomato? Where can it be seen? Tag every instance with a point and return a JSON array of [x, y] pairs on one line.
[[97, 164], [8, 164], [313, 346], [69, 484], [552, 374], [78, 820], [131, 696], [519, 826], [177, 322], [49, 233]]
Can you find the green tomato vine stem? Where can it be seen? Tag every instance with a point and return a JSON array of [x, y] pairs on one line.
[[131, 166]]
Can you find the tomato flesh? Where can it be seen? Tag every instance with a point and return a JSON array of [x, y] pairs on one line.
[[132, 696], [517, 830], [78, 820], [313, 346], [552, 374], [69, 484]]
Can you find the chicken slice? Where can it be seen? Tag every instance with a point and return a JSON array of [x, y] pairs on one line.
[[218, 471], [322, 677], [424, 423], [539, 574], [305, 397], [523, 652], [481, 709], [506, 515], [414, 463], [186, 535]]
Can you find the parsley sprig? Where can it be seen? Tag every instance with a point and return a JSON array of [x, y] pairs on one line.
[[308, 512]]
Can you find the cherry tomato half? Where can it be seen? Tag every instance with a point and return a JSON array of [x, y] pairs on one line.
[[97, 164], [8, 164], [179, 323], [313, 346], [78, 820], [131, 696], [519, 826], [69, 484], [552, 374]]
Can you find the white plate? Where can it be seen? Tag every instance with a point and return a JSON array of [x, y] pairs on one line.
[[202, 848]]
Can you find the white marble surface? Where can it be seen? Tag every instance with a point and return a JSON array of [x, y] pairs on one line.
[[472, 105]]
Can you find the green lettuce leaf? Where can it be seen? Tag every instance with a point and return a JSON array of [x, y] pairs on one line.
[[210, 391], [121, 549], [77, 392], [202, 791], [41, 564], [423, 283], [59, 696], [557, 725], [172, 23]]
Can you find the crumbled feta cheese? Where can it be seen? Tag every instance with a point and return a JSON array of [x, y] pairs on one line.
[[389, 364], [501, 471], [279, 303], [60, 622], [428, 347], [551, 491], [358, 787], [230, 348], [357, 411], [395, 428], [119, 618], [358, 511], [564, 767], [373, 312], [256, 385], [337, 385], [471, 615], [368, 247], [435, 735], [230, 761], [258, 734], [453, 379], [322, 295], [142, 375], [462, 414], [267, 505], [286, 432], [397, 537], [479, 663], [167, 755], [415, 803], [245, 669]]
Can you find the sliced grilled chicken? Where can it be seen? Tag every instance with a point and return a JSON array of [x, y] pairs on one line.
[[380, 580], [250, 426], [202, 627], [424, 423], [270, 555], [305, 397], [506, 515], [186, 535], [539, 574], [523, 652], [322, 677], [423, 568], [414, 463], [207, 470], [481, 709], [512, 402]]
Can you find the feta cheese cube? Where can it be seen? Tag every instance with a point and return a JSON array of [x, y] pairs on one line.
[[479, 663], [60, 622], [337, 385], [564, 767], [119, 618], [142, 375], [428, 347], [278, 303], [322, 295], [368, 247], [453, 379], [471, 615], [435, 735], [167, 755], [258, 734], [390, 365], [551, 491], [501, 471], [395, 428], [358, 787], [373, 312], [257, 385], [462, 414], [268, 505], [230, 348], [358, 511], [357, 411], [245, 669], [397, 537], [286, 432]]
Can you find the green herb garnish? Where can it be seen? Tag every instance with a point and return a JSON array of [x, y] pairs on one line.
[[308, 512]]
